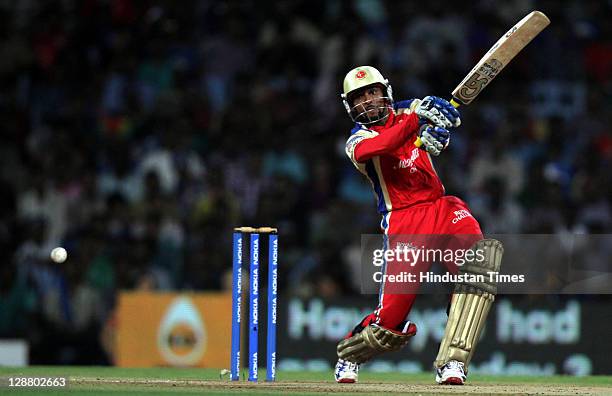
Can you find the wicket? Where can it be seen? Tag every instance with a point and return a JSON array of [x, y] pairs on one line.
[[254, 302]]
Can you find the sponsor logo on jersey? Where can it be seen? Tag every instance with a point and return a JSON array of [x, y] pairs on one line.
[[406, 245], [352, 142], [460, 215], [409, 162]]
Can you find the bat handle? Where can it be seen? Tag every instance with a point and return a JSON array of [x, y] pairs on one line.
[[418, 142]]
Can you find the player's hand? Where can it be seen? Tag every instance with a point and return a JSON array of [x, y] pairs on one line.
[[438, 111], [434, 138]]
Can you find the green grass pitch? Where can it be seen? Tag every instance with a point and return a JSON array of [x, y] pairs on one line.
[[164, 381]]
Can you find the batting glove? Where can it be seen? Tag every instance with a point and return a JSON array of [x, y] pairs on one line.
[[437, 111], [434, 138]]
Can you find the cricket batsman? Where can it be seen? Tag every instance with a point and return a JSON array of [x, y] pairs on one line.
[[411, 201]]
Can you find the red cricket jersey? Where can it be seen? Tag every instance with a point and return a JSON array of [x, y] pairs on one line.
[[401, 174]]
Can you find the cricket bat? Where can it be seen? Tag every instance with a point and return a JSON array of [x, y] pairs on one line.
[[496, 58]]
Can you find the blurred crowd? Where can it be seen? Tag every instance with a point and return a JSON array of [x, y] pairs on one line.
[[136, 134]]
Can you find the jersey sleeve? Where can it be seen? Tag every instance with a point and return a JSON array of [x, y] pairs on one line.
[[386, 142], [351, 143], [406, 106], [402, 104]]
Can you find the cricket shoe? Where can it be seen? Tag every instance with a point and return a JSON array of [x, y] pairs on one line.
[[346, 372], [452, 373]]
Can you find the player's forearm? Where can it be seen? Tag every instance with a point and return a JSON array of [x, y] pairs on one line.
[[388, 141]]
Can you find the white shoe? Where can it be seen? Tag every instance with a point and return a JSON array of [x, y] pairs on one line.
[[452, 373], [346, 372]]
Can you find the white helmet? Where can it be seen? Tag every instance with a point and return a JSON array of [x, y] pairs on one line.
[[357, 79]]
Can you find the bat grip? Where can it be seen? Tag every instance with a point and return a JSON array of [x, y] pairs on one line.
[[418, 142]]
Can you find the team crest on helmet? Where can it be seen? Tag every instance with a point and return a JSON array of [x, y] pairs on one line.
[[360, 74]]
